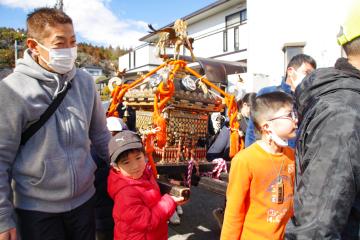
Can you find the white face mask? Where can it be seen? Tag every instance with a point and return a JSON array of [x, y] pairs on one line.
[[60, 60], [279, 141], [299, 78]]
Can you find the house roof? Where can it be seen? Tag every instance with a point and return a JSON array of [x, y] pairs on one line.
[[217, 70], [198, 15]]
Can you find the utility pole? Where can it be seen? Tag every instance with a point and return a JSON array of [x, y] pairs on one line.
[[16, 50], [59, 5]]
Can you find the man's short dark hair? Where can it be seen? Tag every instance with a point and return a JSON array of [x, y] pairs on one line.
[[299, 59], [40, 18], [352, 48], [267, 104]]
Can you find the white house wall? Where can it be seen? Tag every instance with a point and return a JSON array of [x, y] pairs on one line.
[[142, 56], [273, 23], [208, 34], [124, 62]]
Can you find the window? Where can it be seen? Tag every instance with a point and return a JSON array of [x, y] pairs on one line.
[[236, 19], [129, 60], [134, 59], [233, 21], [225, 47], [243, 16], [236, 38]]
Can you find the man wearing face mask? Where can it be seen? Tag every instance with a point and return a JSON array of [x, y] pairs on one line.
[[298, 67], [52, 172]]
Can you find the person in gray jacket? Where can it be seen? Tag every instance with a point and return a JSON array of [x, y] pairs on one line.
[[53, 172]]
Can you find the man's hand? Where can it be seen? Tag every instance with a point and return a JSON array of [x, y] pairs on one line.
[[9, 234]]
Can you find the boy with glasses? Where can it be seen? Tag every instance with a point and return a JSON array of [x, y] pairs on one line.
[[260, 190]]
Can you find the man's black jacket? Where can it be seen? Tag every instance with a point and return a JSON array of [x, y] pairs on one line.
[[326, 198]]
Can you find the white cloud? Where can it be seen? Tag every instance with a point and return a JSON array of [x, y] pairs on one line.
[[93, 21], [27, 5]]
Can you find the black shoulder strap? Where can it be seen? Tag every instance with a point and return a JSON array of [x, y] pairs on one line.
[[45, 116]]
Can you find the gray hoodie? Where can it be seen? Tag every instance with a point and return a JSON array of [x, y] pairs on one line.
[[53, 172]]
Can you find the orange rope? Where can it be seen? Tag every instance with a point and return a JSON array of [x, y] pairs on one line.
[[149, 149], [163, 95], [234, 125], [159, 122]]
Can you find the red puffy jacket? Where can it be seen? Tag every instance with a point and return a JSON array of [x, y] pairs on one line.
[[140, 212]]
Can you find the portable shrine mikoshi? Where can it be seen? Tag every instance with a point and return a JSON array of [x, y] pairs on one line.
[[172, 103]]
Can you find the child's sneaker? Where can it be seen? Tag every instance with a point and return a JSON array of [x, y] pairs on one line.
[[179, 210], [175, 219], [218, 214]]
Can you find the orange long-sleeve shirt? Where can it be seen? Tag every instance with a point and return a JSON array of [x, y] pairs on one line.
[[250, 213]]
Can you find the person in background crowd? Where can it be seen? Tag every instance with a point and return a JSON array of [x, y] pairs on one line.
[[115, 125], [244, 107], [221, 144], [53, 172], [103, 203], [298, 67], [327, 193], [260, 189]]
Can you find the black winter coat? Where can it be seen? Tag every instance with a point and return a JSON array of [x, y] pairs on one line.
[[326, 198]]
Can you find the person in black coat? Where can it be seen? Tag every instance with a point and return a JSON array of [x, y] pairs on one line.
[[327, 191]]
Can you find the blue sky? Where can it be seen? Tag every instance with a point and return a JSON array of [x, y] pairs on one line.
[[105, 22]]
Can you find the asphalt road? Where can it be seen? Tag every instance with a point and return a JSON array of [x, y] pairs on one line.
[[197, 222]]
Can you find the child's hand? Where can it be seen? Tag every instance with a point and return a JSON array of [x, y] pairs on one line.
[[178, 200]]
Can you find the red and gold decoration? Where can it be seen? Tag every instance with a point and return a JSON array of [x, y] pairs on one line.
[[172, 104]]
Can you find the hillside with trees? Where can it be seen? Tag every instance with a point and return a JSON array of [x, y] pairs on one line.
[[7, 45], [88, 54]]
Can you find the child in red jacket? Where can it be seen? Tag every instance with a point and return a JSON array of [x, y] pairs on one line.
[[140, 212]]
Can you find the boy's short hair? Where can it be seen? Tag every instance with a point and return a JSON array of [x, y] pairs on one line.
[[40, 18], [267, 104], [122, 144], [352, 48]]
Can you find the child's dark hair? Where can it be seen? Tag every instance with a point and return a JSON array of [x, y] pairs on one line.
[[248, 98], [124, 155], [267, 104]]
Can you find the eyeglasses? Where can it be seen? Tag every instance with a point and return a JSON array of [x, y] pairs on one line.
[[291, 116]]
